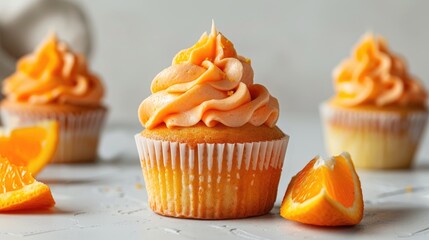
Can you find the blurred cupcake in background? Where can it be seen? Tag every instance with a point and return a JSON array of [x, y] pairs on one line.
[[379, 111], [54, 83]]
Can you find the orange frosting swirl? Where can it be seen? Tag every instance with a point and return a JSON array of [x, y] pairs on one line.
[[53, 74], [208, 82], [376, 76]]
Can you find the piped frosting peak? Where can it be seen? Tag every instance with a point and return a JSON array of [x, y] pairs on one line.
[[208, 82], [53, 74], [373, 75]]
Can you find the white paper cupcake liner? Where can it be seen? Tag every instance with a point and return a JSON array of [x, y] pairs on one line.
[[378, 140], [79, 133], [211, 180]]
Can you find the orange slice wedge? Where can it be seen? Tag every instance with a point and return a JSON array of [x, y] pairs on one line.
[[30, 146], [325, 193], [20, 191]]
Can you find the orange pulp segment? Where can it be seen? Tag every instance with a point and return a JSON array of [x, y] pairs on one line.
[[20, 191], [325, 193], [30, 146]]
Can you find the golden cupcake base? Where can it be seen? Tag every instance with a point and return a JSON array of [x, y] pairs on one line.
[[80, 127], [376, 139], [211, 180]]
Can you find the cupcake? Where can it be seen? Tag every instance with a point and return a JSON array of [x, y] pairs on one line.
[[53, 83], [211, 148], [379, 112]]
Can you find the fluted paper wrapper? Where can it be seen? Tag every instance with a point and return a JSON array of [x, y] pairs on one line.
[[79, 133], [375, 139], [211, 180]]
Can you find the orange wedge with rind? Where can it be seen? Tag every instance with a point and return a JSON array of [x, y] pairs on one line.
[[30, 146], [20, 191], [325, 193]]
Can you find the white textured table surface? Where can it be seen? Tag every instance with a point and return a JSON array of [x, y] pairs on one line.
[[107, 200]]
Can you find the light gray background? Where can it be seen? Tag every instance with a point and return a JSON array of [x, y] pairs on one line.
[[294, 45]]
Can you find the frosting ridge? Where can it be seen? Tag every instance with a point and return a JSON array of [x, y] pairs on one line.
[[208, 82], [53, 74], [374, 75]]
